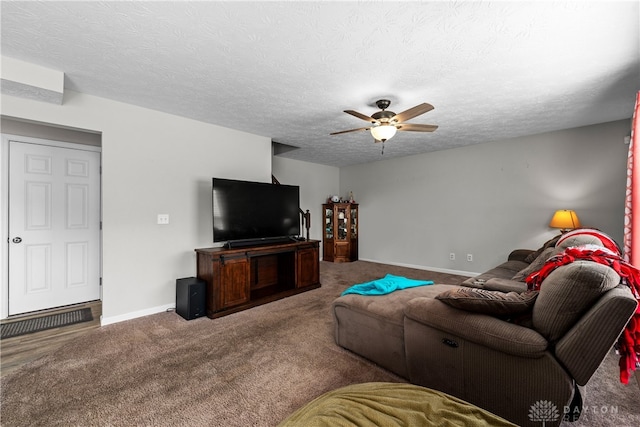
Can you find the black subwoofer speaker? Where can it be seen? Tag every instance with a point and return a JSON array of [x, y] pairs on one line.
[[191, 297]]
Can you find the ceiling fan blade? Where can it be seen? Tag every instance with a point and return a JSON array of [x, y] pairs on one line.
[[416, 127], [350, 130], [361, 116], [412, 112]]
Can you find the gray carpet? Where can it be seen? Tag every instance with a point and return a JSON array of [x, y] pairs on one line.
[[607, 402], [251, 368]]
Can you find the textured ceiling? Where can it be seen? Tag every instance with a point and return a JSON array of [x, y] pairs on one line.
[[287, 70]]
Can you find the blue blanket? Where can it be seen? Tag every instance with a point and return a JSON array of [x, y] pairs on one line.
[[385, 285]]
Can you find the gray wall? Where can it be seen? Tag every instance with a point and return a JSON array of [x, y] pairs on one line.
[[487, 199], [316, 183], [152, 163]]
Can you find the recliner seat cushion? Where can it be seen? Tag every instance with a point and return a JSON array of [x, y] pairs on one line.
[[506, 270], [567, 293], [389, 307], [373, 326], [504, 285]]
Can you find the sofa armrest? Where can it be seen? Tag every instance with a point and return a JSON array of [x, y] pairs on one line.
[[504, 285], [585, 346], [519, 254], [481, 329]]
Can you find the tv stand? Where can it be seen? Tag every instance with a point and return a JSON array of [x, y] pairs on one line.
[[232, 244], [241, 278]]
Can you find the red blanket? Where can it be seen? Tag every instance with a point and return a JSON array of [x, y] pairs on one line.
[[629, 341]]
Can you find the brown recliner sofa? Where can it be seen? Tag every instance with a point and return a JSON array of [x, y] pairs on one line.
[[504, 350]]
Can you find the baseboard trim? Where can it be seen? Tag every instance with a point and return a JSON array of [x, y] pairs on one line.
[[104, 321], [135, 314], [424, 267]]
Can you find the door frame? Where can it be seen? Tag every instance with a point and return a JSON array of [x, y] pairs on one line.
[[4, 207]]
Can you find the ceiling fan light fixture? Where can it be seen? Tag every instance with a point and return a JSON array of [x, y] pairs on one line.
[[384, 124], [383, 132]]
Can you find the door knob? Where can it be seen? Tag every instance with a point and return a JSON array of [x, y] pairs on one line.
[[17, 239]]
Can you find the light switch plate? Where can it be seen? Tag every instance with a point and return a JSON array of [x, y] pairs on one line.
[[163, 219]]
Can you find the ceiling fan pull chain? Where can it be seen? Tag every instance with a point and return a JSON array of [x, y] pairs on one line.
[[382, 154]]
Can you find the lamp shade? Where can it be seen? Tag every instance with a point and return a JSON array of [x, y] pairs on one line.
[[383, 132], [565, 219]]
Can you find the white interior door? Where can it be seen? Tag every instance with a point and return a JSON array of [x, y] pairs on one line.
[[54, 226]]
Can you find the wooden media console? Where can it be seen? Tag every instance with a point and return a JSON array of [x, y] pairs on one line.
[[241, 278]]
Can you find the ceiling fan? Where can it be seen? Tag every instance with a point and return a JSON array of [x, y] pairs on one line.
[[384, 124]]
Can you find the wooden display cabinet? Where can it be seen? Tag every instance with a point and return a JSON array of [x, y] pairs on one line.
[[242, 278], [340, 243]]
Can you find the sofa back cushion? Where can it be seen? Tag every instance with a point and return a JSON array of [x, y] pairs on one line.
[[567, 293], [536, 264], [579, 240], [588, 236], [551, 243]]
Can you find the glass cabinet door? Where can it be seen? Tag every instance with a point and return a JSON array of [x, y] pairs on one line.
[[354, 223], [340, 232], [341, 222], [328, 219]]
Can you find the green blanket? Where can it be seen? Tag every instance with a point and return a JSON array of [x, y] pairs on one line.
[[385, 285], [390, 405]]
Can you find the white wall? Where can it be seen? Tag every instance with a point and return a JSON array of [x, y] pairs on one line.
[[316, 183], [489, 198], [152, 163]]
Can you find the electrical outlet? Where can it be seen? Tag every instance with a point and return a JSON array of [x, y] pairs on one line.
[[163, 219], [470, 257], [452, 256]]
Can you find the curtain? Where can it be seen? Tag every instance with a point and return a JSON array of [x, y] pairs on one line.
[[632, 199]]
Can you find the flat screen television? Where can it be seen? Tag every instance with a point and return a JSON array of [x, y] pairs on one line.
[[246, 212]]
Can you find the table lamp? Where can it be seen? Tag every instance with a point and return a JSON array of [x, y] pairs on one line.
[[565, 220]]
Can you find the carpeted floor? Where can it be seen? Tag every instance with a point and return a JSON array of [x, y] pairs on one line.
[[251, 368]]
